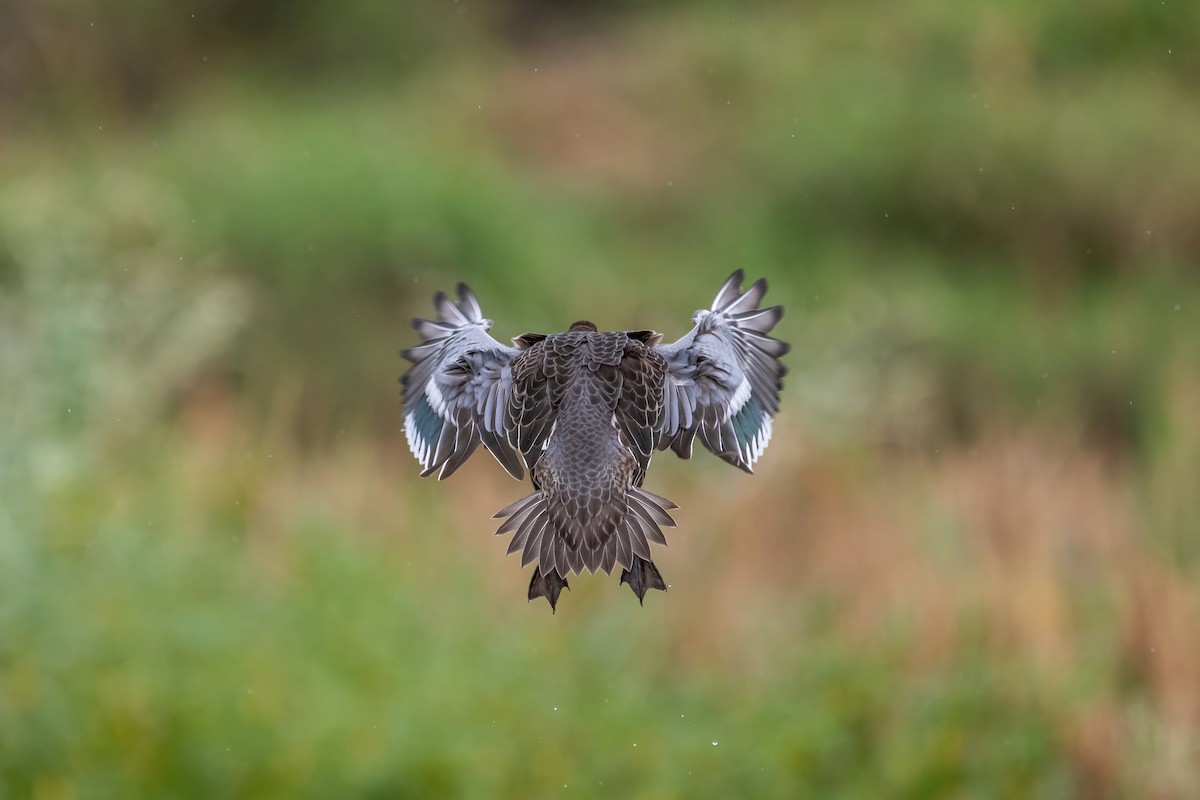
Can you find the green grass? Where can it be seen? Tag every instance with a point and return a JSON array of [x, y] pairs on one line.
[[147, 652]]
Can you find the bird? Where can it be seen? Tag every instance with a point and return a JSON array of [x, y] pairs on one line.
[[584, 411]]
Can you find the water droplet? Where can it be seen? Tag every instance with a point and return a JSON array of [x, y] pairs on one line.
[[714, 742]]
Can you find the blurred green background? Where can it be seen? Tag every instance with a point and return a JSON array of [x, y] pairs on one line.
[[968, 566]]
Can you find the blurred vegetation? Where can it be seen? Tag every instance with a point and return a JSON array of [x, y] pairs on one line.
[[969, 564]]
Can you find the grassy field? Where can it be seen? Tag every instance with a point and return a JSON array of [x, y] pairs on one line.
[[968, 566]]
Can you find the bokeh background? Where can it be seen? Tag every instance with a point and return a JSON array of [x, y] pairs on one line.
[[968, 566]]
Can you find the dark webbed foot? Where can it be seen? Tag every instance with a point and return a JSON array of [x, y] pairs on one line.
[[547, 586], [643, 577]]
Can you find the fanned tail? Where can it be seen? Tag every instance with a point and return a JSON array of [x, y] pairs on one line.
[[559, 550]]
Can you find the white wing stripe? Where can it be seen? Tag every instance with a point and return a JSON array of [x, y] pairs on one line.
[[738, 400], [434, 395]]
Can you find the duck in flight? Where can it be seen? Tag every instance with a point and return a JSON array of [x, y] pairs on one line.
[[583, 411]]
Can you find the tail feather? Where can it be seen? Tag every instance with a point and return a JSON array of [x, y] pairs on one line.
[[657, 500], [648, 529], [517, 505], [518, 521], [608, 556], [531, 526], [533, 546], [624, 551], [559, 553], [546, 560], [637, 540], [575, 560]]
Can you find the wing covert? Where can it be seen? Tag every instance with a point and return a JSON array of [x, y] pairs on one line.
[[458, 390], [640, 404], [724, 377]]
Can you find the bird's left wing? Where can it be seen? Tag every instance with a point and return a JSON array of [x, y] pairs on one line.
[[723, 377], [457, 392]]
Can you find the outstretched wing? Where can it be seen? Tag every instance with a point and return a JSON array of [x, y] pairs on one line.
[[457, 392], [723, 377]]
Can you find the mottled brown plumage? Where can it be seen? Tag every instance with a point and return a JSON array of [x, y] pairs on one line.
[[585, 408], [584, 412]]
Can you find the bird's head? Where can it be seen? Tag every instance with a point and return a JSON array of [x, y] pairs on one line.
[[583, 325]]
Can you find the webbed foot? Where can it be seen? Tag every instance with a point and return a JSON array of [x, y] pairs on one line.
[[643, 577], [547, 586]]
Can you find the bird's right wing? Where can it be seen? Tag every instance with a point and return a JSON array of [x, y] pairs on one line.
[[458, 390], [723, 377]]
